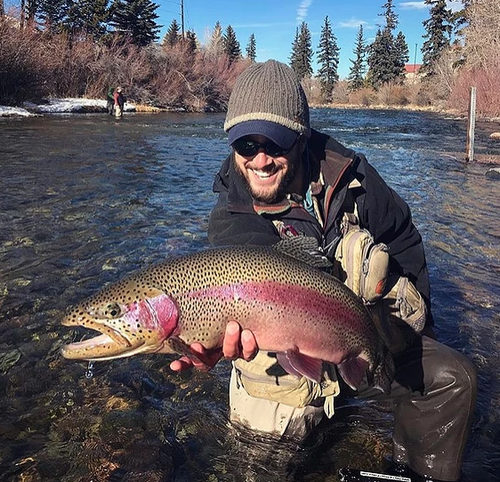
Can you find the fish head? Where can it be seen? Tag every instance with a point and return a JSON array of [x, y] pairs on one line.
[[131, 316]]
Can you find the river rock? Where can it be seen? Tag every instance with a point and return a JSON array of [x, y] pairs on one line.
[[493, 173], [495, 135]]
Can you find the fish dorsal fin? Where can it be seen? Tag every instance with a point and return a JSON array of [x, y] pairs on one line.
[[299, 365], [305, 249]]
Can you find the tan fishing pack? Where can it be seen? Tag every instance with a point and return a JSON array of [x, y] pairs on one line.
[[398, 309], [263, 377]]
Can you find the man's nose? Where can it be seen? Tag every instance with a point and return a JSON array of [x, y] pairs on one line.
[[261, 159]]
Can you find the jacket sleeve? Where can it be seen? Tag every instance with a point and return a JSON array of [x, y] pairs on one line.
[[389, 220]]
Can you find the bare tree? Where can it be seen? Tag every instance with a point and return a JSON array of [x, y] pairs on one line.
[[482, 35]]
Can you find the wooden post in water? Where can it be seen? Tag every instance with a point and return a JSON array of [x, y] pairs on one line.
[[469, 149]]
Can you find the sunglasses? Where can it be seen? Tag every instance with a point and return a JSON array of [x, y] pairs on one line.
[[248, 148]]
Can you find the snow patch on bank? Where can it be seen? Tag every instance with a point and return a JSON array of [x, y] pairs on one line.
[[60, 106]]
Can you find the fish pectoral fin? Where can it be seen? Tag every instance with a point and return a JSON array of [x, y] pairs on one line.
[[180, 347], [176, 345], [353, 371], [298, 364]]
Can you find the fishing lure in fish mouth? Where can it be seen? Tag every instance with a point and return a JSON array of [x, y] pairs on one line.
[[294, 309]]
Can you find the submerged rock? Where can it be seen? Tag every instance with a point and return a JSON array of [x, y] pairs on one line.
[[493, 173]]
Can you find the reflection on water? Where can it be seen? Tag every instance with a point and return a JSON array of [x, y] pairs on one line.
[[87, 199]]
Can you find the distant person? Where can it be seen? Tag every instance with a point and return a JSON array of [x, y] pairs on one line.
[[119, 102], [110, 101]]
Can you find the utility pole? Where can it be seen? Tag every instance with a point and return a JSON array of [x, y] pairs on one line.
[[182, 19], [415, 65]]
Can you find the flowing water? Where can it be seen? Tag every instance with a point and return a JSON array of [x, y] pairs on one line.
[[86, 199]]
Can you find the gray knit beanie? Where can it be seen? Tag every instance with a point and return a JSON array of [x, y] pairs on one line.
[[270, 92]]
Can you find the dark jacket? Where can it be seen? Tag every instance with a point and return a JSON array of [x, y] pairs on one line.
[[236, 219]]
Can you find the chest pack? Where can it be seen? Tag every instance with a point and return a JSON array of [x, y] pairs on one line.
[[398, 309]]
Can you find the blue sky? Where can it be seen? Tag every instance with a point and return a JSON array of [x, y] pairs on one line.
[[274, 22]]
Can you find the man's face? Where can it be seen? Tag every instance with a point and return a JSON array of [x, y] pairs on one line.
[[268, 178]]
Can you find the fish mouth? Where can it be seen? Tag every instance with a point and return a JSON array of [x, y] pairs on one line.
[[105, 346]]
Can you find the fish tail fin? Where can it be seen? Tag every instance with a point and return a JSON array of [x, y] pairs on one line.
[[353, 371]]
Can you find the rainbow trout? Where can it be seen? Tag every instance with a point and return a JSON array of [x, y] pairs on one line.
[[301, 313]]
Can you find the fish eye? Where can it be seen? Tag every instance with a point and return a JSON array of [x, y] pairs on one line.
[[110, 311]]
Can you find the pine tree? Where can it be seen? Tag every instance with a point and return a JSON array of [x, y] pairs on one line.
[[90, 16], [401, 57], [358, 68], [460, 19], [191, 41], [438, 28], [294, 58], [29, 10], [301, 57], [53, 14], [215, 45], [387, 55], [135, 20], [391, 18], [328, 60], [251, 48], [231, 45], [173, 35]]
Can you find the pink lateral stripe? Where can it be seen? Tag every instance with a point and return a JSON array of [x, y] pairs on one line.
[[308, 300]]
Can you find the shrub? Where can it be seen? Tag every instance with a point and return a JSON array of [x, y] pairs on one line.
[[487, 83], [23, 70], [392, 94], [365, 97]]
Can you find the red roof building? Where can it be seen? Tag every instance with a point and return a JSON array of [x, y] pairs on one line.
[[412, 71]]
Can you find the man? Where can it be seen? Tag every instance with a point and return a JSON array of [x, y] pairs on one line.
[[110, 100], [285, 179], [119, 100]]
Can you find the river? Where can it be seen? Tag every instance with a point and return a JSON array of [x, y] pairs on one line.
[[85, 199]]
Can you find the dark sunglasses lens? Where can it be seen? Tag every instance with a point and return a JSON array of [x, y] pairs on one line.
[[249, 148], [246, 148], [273, 149]]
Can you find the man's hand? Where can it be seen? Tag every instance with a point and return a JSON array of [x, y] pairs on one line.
[[237, 343]]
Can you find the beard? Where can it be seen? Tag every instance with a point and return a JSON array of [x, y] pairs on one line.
[[273, 194]]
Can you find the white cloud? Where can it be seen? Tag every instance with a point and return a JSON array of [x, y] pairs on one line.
[[453, 5], [413, 5], [302, 10], [352, 23]]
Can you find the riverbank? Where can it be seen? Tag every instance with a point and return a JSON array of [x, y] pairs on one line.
[[69, 106], [490, 126]]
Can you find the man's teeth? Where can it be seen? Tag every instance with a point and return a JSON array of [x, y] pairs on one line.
[[263, 175]]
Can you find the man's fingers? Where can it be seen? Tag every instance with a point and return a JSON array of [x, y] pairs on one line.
[[183, 363], [231, 344], [237, 343], [203, 359], [249, 345]]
